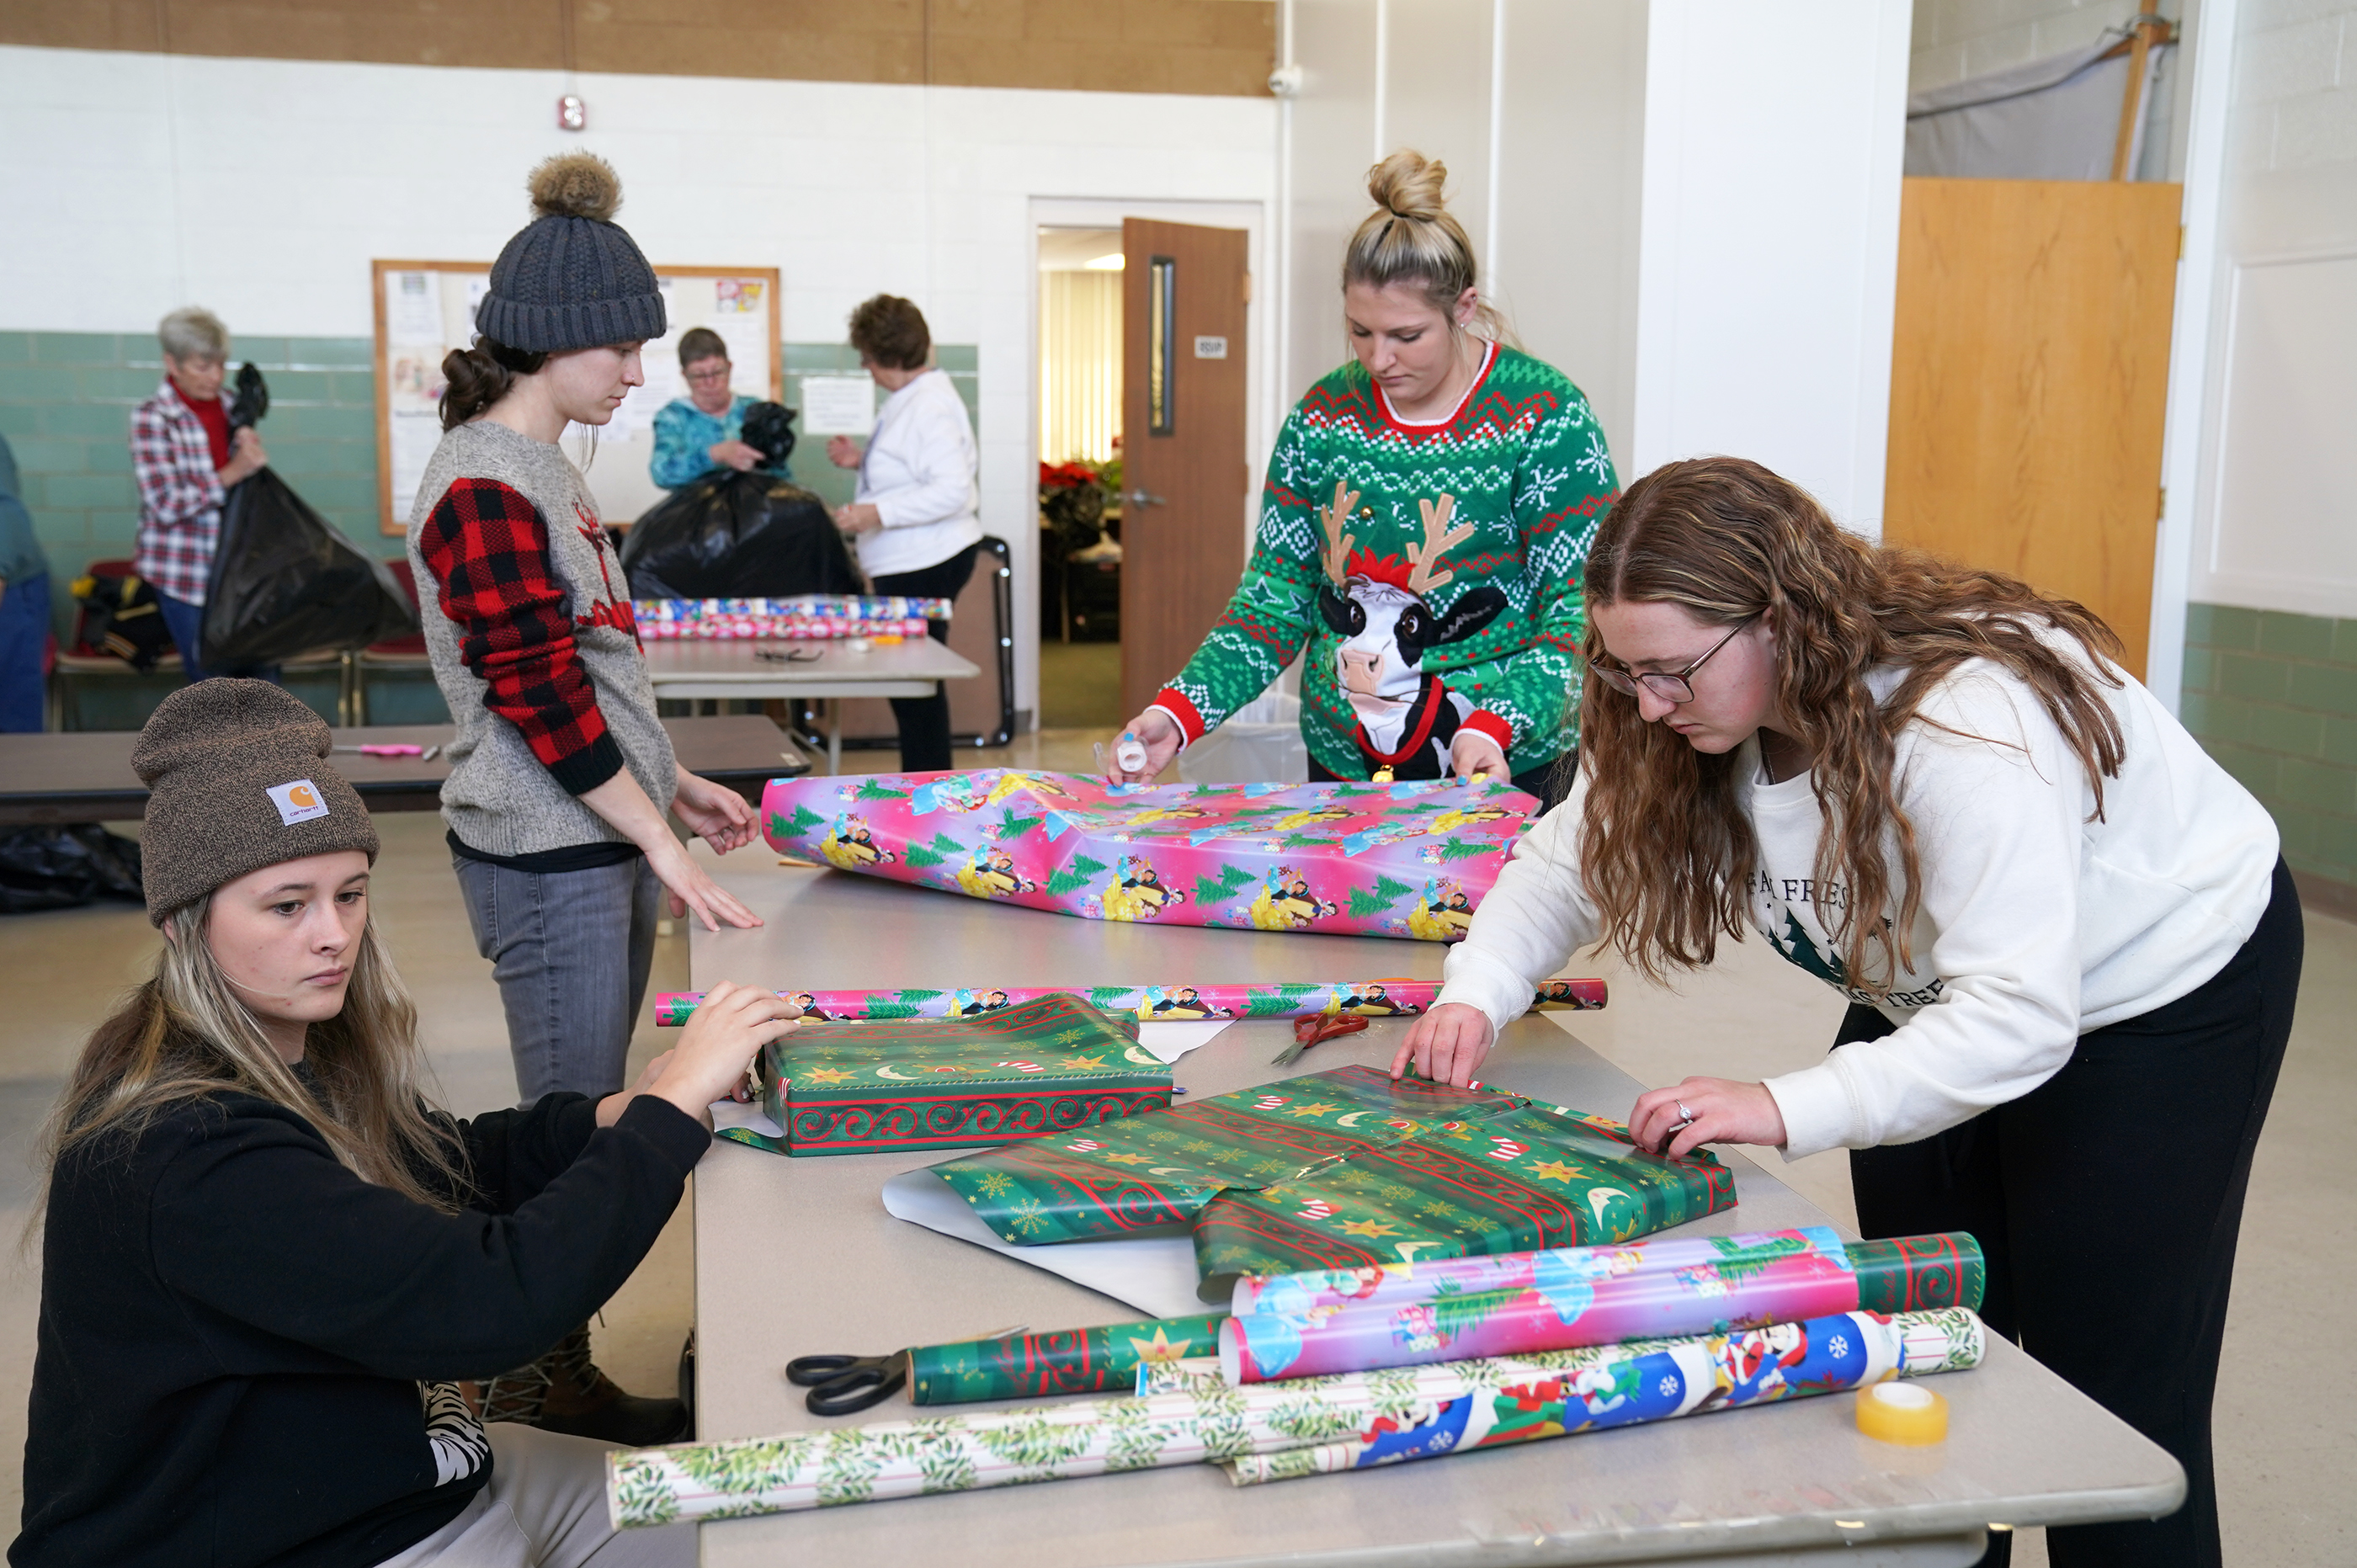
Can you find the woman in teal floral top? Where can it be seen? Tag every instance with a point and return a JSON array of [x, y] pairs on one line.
[[705, 430], [1425, 515]]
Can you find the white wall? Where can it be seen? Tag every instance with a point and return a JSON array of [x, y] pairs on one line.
[[1696, 207], [1773, 138], [135, 183], [2274, 523]]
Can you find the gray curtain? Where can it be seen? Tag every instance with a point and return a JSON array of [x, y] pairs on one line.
[[2052, 119]]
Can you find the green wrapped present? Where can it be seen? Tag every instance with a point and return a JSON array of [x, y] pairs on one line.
[[1046, 1066]]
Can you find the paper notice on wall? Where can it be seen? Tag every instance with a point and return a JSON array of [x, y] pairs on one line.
[[749, 354], [413, 310], [737, 296], [476, 288], [838, 405], [415, 433]]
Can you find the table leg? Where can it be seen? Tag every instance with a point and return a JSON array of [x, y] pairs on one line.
[[834, 735]]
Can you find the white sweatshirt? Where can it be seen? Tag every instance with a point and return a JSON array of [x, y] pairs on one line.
[[2037, 924], [918, 469]]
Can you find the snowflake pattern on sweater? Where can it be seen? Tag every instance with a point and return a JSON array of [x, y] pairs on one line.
[[1525, 463]]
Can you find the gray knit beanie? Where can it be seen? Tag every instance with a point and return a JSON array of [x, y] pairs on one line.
[[238, 778], [571, 278]]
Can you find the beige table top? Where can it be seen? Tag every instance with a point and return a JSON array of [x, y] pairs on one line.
[[795, 1256], [730, 667]]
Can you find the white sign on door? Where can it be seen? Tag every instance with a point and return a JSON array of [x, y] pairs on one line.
[[1211, 347]]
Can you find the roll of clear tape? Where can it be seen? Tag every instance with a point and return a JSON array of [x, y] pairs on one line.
[[1907, 1414]]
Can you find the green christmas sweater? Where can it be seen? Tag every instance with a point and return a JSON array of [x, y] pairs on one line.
[[1517, 481]]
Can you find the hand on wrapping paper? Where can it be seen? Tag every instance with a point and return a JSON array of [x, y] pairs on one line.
[[1447, 1044], [1473, 752], [729, 1026], [1724, 1111]]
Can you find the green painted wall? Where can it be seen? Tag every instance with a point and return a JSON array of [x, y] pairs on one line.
[[2273, 696], [65, 407]]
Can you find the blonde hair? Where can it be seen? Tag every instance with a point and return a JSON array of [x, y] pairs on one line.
[[184, 1034], [1411, 238], [192, 332]]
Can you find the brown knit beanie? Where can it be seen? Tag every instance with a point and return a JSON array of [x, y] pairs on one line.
[[238, 778]]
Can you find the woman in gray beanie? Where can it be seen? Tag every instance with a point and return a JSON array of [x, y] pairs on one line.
[[560, 772], [268, 1259]]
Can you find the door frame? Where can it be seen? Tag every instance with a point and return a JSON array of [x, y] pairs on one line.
[[1262, 413]]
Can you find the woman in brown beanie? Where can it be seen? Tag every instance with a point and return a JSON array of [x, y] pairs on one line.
[[267, 1256], [560, 773]]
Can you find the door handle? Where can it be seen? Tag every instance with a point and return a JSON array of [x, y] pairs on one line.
[[1143, 498]]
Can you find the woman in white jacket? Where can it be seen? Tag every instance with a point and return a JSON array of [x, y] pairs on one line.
[[2069, 942]]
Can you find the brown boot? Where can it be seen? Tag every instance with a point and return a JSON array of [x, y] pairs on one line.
[[564, 1391]]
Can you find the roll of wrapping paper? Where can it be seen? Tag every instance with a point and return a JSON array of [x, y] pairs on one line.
[[1342, 1420], [1407, 1314], [1627, 1385], [1147, 1003], [1084, 1361]]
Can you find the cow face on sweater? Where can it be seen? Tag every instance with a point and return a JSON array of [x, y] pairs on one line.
[[1379, 606]]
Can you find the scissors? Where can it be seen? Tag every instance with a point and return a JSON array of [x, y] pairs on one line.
[[788, 655], [1316, 1026], [845, 1385]]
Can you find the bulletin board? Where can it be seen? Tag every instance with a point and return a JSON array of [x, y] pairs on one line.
[[425, 309]]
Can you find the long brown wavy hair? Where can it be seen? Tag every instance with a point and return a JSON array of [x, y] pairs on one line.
[[185, 1034], [1664, 850]]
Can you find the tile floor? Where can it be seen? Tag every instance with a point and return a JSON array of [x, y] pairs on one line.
[[2283, 1461]]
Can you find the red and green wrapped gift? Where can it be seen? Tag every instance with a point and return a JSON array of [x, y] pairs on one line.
[[1052, 1066], [1341, 1169]]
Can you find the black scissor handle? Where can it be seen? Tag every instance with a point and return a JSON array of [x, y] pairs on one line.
[[844, 1385]]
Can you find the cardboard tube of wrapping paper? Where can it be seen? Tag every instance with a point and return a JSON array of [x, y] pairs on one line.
[[1083, 1361], [1147, 1003], [1627, 1385], [1408, 1315], [1344, 1421]]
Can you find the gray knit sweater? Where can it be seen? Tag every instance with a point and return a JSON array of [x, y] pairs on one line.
[[527, 616]]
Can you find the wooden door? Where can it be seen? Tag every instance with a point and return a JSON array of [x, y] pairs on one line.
[[2030, 372], [1183, 538]]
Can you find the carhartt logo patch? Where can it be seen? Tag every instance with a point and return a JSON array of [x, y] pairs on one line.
[[297, 802]]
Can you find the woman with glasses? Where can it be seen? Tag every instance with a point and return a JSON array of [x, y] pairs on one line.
[[705, 430], [2068, 943]]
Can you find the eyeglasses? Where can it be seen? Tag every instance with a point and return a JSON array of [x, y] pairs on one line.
[[1668, 687], [702, 378]]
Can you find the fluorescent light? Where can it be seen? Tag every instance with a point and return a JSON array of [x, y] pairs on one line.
[[1111, 263]]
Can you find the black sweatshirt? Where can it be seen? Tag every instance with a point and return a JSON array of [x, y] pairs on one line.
[[233, 1327]]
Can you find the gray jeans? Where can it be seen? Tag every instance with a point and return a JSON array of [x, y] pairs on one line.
[[571, 950]]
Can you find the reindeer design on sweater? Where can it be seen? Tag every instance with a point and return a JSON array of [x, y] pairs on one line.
[[1381, 607]]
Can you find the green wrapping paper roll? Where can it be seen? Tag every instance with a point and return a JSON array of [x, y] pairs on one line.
[[1083, 1361]]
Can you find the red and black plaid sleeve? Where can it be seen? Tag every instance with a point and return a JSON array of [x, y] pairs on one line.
[[488, 549]]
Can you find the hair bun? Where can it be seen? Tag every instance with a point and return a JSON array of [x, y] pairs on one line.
[[1408, 185], [575, 184]]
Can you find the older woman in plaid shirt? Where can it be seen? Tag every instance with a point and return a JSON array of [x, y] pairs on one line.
[[185, 461]]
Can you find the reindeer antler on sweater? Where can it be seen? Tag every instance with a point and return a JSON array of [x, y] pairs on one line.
[[1334, 519], [1437, 536]]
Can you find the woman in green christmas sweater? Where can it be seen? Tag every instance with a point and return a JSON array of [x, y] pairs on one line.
[[1426, 516]]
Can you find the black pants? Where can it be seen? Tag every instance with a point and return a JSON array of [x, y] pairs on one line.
[[1550, 781], [925, 721], [2108, 1200]]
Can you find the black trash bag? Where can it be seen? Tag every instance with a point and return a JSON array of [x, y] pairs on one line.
[[287, 581], [769, 429], [738, 536], [253, 399], [61, 867], [123, 619]]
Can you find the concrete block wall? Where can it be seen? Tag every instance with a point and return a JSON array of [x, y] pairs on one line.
[[2273, 696]]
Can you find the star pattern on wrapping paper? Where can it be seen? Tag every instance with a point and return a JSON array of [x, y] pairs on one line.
[[1158, 1351], [1555, 1170], [1068, 1037], [1315, 1108], [825, 1074], [1129, 1159], [1367, 1228], [1083, 1062], [995, 1185]]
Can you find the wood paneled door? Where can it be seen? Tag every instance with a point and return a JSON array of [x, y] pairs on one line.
[[1183, 466], [2029, 372]]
